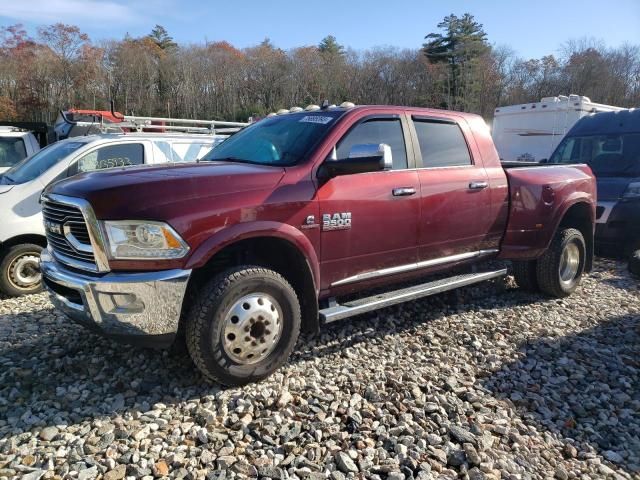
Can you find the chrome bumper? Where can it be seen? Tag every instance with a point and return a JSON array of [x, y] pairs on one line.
[[135, 306]]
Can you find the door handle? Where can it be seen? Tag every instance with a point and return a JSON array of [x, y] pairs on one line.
[[478, 185], [403, 192]]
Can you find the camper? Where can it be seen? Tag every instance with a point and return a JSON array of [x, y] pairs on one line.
[[530, 132]]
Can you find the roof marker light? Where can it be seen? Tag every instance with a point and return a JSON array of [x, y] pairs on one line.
[[312, 108]]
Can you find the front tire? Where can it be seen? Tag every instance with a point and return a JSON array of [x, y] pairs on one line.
[[243, 325], [559, 270], [20, 270]]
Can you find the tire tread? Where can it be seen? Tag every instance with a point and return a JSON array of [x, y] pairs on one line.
[[547, 264], [205, 302]]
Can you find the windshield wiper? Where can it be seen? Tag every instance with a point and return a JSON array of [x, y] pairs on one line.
[[230, 159], [7, 177]]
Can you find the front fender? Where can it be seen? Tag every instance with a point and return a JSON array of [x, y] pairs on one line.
[[246, 230]]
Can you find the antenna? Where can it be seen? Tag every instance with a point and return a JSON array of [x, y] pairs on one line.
[[325, 104]]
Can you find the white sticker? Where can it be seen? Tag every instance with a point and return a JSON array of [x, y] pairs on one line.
[[316, 119]]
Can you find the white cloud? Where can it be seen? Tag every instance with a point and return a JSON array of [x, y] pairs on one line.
[[85, 12]]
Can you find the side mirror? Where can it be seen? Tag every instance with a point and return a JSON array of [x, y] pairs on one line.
[[363, 158]]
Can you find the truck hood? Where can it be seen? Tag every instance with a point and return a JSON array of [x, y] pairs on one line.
[[612, 188], [127, 192], [5, 188]]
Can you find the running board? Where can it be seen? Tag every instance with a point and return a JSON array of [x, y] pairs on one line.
[[374, 302]]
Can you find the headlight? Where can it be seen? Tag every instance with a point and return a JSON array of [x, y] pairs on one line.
[[632, 191], [129, 239]]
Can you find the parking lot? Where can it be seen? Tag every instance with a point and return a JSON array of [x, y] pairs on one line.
[[488, 382]]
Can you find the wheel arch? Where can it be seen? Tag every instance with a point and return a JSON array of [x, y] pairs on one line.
[[22, 239], [277, 249]]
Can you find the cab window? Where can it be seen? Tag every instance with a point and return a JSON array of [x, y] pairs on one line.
[[110, 156], [442, 144], [376, 131]]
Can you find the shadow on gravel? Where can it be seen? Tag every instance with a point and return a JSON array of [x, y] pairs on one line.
[[584, 387], [86, 376]]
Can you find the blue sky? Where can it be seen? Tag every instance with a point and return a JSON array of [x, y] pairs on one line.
[[531, 28]]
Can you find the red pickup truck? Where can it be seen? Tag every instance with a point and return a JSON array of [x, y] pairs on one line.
[[294, 221]]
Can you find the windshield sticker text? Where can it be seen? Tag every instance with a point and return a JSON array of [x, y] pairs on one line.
[[316, 119]]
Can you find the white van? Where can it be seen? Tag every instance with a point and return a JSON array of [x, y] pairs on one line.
[[22, 234], [15, 145], [530, 132]]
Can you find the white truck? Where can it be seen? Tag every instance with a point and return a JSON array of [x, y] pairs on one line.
[[22, 236], [530, 132], [15, 145]]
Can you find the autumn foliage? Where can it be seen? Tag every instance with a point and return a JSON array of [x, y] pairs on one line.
[[457, 68]]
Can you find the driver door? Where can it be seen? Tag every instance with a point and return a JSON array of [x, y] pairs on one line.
[[372, 217]]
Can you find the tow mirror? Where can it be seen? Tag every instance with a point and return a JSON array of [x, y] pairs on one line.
[[363, 158]]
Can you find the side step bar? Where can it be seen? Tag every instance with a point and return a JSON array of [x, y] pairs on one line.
[[374, 302]]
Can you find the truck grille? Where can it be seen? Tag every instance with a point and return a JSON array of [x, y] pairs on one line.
[[67, 235]]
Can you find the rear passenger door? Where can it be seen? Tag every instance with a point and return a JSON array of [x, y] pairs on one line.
[[383, 208], [455, 198]]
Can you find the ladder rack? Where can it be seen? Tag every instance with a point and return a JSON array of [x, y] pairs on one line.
[[135, 123]]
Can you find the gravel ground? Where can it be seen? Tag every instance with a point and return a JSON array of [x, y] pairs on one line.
[[488, 382]]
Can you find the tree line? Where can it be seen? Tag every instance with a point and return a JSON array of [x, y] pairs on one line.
[[456, 68]]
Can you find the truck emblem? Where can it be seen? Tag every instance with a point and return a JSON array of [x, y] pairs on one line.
[[53, 227], [336, 221]]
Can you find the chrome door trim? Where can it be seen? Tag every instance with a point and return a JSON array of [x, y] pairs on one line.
[[414, 266]]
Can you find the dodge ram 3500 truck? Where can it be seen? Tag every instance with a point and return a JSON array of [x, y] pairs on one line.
[[303, 219]]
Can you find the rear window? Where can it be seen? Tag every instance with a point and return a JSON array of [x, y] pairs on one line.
[[12, 150], [441, 144]]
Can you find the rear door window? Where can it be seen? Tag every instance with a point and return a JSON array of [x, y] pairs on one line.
[[442, 144], [112, 156]]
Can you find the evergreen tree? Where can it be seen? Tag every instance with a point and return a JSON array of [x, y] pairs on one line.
[[329, 46], [461, 44], [161, 38]]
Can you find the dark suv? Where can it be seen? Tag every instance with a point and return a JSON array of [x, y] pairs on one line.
[[610, 144]]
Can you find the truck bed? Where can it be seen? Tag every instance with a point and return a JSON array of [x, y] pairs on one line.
[[539, 197]]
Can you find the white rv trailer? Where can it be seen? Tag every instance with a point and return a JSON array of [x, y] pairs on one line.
[[530, 132]]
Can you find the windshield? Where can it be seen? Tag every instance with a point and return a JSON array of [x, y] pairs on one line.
[[37, 164], [282, 140], [12, 150], [607, 155]]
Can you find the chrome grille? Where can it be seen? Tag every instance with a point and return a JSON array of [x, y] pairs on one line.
[[67, 234]]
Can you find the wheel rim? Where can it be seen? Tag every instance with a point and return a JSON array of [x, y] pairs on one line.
[[24, 271], [252, 328], [569, 263]]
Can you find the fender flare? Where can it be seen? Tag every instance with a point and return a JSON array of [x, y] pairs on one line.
[[570, 202], [243, 231]]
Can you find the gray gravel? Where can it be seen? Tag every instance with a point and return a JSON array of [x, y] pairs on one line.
[[485, 383]]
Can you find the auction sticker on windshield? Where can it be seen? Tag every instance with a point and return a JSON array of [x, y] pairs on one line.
[[316, 119]]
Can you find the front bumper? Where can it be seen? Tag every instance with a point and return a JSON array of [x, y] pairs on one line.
[[142, 308]]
